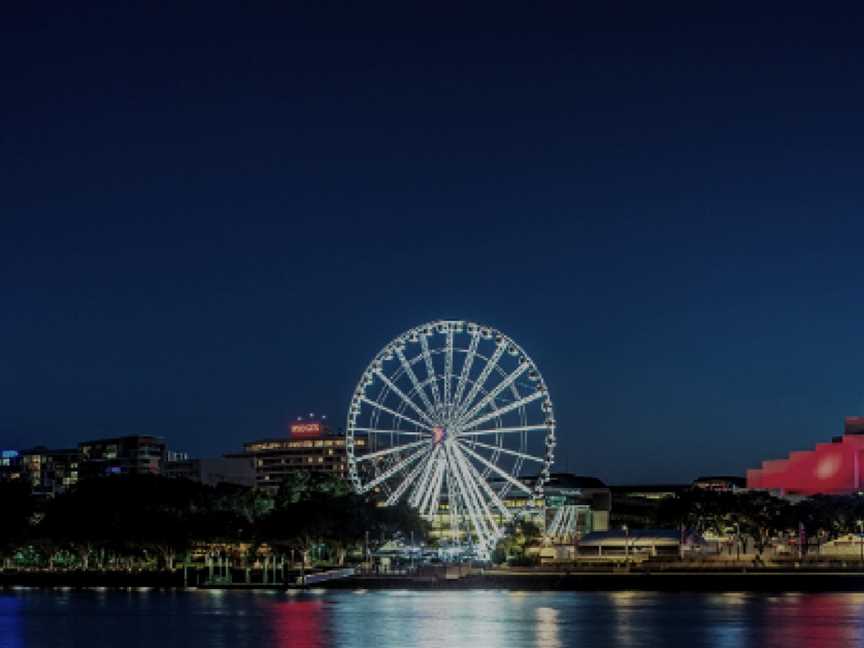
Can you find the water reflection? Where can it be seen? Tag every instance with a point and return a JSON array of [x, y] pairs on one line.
[[10, 622], [427, 619], [805, 621], [299, 623], [547, 632]]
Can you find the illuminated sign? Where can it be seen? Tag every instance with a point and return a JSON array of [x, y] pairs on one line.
[[306, 429]]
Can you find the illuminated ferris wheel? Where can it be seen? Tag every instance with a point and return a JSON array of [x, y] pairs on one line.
[[455, 419]]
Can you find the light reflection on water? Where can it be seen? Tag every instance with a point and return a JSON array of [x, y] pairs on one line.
[[426, 619]]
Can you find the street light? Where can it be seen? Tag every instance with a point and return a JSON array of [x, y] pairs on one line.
[[737, 542], [626, 543], [861, 538]]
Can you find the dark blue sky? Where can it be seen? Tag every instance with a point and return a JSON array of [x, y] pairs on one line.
[[213, 217]]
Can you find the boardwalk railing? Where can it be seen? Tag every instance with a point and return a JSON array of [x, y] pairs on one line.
[[320, 577]]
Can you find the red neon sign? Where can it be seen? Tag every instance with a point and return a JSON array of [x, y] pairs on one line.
[[306, 429]]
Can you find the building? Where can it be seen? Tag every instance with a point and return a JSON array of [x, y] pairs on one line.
[[635, 545], [849, 546], [50, 472], [311, 446], [832, 468], [10, 465], [575, 505], [650, 492], [238, 470], [128, 455], [720, 483]]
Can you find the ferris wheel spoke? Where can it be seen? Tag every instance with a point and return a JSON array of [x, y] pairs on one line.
[[414, 381], [507, 451], [391, 450], [497, 470], [387, 474], [394, 413], [424, 488], [448, 368], [404, 432], [405, 398], [502, 430], [404, 484], [492, 395], [503, 410], [481, 379], [435, 497], [430, 372], [488, 489], [420, 485], [466, 369]]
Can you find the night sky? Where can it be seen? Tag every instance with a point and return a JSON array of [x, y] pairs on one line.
[[211, 218]]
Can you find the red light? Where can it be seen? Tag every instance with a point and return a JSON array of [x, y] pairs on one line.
[[305, 429]]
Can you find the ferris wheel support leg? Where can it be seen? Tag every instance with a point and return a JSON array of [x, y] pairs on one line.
[[492, 494], [465, 503], [435, 498], [488, 519], [473, 503]]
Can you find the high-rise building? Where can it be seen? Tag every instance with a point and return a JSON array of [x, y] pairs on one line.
[[311, 446], [50, 472], [141, 454]]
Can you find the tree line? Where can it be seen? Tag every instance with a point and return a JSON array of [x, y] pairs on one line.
[[755, 514], [147, 521]]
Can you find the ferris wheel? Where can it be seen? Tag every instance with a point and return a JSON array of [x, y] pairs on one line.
[[454, 418]]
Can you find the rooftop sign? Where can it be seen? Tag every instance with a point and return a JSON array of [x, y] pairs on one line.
[[301, 430]]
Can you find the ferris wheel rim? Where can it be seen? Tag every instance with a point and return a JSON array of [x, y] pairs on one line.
[[460, 416]]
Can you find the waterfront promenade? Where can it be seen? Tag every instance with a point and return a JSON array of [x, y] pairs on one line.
[[672, 578]]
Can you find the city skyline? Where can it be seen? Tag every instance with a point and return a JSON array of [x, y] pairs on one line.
[[212, 231]]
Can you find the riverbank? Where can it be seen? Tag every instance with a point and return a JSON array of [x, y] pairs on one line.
[[695, 581], [758, 580]]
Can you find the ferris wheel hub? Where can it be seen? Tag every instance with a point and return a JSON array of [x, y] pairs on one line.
[[439, 434]]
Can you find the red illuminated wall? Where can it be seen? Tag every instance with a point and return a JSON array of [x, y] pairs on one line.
[[830, 468]]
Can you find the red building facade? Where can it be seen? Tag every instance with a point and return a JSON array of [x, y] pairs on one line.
[[830, 468]]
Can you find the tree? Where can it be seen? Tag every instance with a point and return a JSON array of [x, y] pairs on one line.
[[340, 522], [302, 485], [18, 510], [519, 535]]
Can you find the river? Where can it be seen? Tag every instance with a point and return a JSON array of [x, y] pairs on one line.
[[425, 619]]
